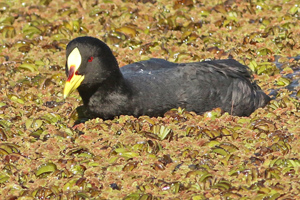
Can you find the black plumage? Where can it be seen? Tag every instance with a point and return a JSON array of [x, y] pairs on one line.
[[154, 86]]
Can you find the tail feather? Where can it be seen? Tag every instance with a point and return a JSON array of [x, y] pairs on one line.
[[261, 99]]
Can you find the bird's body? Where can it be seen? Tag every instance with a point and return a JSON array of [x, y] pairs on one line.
[[154, 86]]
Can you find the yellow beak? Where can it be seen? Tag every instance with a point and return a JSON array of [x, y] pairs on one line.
[[74, 79], [73, 82]]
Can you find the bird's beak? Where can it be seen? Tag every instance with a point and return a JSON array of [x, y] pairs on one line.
[[74, 79]]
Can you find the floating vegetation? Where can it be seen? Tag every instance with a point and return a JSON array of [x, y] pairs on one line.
[[43, 155]]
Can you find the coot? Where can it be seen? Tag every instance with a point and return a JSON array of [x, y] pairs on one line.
[[154, 86]]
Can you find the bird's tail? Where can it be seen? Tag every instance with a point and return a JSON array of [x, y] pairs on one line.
[[261, 99]]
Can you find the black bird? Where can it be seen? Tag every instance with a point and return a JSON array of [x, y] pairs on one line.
[[152, 87]]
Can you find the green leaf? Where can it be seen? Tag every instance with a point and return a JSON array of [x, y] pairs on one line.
[[283, 81], [45, 168], [212, 143], [29, 67], [3, 178], [31, 30], [220, 151]]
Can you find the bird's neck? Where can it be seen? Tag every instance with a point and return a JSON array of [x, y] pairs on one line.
[[113, 84]]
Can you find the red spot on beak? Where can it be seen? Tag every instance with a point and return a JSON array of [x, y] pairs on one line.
[[71, 73]]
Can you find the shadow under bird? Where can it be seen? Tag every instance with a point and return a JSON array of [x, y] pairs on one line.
[[153, 87]]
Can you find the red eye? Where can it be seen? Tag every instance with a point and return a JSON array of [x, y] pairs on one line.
[[90, 59]]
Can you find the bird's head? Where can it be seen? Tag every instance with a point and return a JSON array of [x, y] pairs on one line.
[[89, 62]]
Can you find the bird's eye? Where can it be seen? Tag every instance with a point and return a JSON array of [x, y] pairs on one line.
[[90, 59]]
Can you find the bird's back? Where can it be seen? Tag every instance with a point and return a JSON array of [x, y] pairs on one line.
[[158, 85]]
